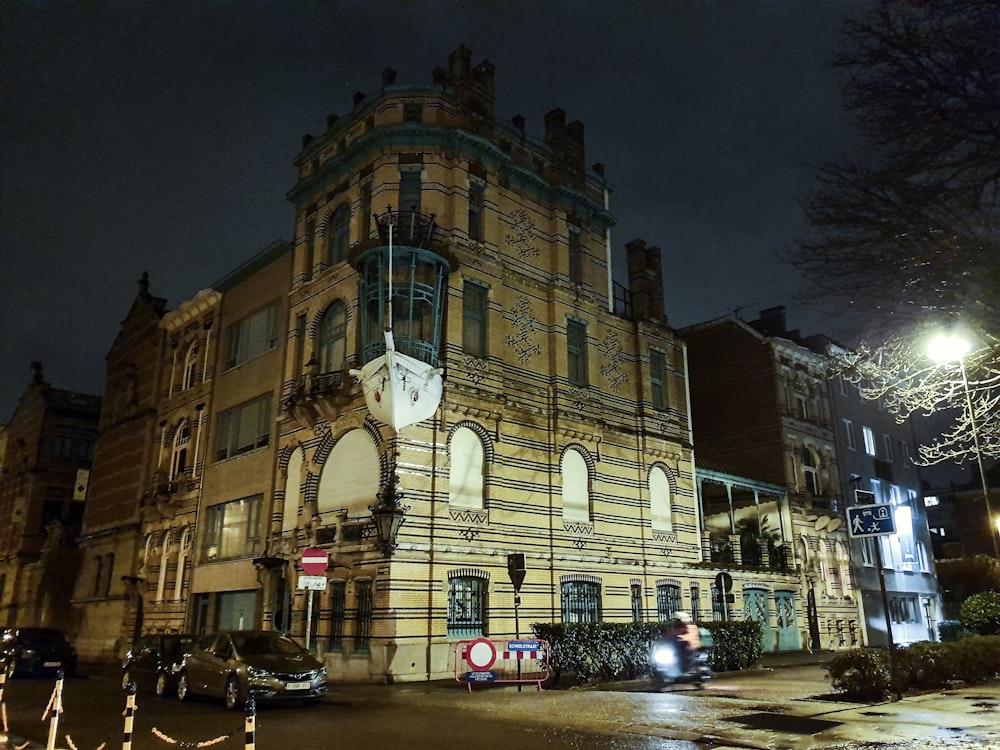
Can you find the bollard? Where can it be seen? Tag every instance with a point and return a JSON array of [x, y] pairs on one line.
[[3, 706], [55, 703], [129, 716], [250, 725]]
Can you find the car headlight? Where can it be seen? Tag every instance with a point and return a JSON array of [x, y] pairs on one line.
[[257, 672], [664, 655]]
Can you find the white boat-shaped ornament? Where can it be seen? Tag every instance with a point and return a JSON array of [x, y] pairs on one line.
[[400, 390]]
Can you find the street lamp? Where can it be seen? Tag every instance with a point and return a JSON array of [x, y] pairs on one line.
[[388, 514], [948, 348]]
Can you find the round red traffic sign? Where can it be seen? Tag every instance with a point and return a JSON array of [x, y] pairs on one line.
[[315, 562], [481, 655]]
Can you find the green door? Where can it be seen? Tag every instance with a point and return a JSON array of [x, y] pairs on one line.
[[789, 638]]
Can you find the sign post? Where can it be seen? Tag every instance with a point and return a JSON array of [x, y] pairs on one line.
[[516, 569], [874, 520], [314, 564], [723, 589]]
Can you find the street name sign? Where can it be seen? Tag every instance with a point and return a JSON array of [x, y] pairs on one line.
[[870, 520], [312, 583]]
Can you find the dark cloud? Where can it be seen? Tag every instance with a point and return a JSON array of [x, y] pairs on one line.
[[159, 136]]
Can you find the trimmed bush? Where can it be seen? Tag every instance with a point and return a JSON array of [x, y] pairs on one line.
[[738, 645], [864, 674]]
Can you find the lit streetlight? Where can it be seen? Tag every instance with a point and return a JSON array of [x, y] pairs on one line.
[[948, 348]]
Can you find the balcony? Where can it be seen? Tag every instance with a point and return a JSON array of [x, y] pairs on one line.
[[314, 397]]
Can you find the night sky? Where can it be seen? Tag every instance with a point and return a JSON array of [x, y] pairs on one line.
[[141, 136]]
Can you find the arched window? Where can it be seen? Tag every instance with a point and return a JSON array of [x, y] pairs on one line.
[[350, 476], [466, 477], [338, 236], [575, 487], [190, 367], [178, 460], [810, 471], [332, 344], [659, 500]]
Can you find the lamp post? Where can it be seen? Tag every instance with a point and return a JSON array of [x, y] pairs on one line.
[[948, 348]]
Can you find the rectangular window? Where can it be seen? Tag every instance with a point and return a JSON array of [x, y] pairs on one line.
[[668, 601], [338, 610], [657, 379], [254, 335], [363, 622], [474, 299], [576, 351], [869, 436], [581, 601], [575, 257], [867, 552], [904, 453], [310, 241], [409, 190], [366, 210], [300, 343], [801, 406], [232, 529], [243, 428], [718, 611], [636, 593], [467, 607], [476, 196], [695, 609], [850, 438], [413, 112], [62, 447], [887, 445], [843, 385]]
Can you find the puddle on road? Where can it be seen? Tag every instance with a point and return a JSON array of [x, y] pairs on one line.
[[784, 723]]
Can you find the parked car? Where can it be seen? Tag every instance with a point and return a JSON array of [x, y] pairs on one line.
[[234, 665], [33, 652], [154, 661]]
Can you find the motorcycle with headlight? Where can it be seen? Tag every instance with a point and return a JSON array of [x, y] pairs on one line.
[[672, 666]]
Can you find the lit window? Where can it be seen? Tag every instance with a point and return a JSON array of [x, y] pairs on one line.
[[232, 529], [869, 436], [931, 500]]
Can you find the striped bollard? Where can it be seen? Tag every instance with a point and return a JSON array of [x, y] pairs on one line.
[[3, 706], [56, 706], [250, 724], [129, 716]]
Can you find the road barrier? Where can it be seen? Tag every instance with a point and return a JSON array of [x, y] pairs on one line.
[[482, 661]]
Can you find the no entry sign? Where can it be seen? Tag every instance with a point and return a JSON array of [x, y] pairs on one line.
[[315, 562]]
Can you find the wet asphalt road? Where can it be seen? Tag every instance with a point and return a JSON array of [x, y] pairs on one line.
[[783, 709]]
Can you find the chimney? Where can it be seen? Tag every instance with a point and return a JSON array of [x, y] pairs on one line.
[[598, 168], [555, 127], [36, 373], [459, 63], [330, 121], [306, 140], [772, 321], [440, 76], [645, 281], [518, 121], [359, 96], [388, 77]]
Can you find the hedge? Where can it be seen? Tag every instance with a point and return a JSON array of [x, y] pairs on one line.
[[864, 674], [607, 651]]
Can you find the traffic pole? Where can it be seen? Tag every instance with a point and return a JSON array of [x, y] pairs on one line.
[[250, 724], [55, 704], [3, 706], [129, 717]]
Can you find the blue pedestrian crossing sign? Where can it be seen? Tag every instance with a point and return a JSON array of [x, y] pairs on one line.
[[870, 520]]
